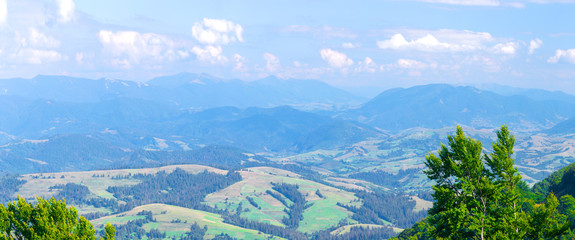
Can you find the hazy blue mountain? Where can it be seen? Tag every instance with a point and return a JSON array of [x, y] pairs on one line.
[[535, 94], [69, 89], [47, 117], [183, 90], [204, 91], [84, 141], [565, 127], [277, 129], [100, 134], [439, 105], [59, 153]]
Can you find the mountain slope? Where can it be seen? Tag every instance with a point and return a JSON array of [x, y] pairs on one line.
[[281, 129], [438, 105], [561, 182], [565, 127], [204, 91], [535, 94]]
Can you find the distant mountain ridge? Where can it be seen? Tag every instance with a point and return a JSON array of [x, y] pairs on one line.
[[161, 115], [441, 105], [535, 94], [183, 90]]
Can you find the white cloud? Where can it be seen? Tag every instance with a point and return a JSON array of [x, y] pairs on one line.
[[134, 46], [335, 59], [485, 63], [36, 56], [34, 47], [552, 1], [183, 54], [488, 3], [80, 58], [466, 2], [210, 54], [349, 45], [3, 12], [534, 44], [38, 39], [366, 65], [322, 32], [495, 3], [568, 55], [431, 44], [447, 40], [66, 10], [240, 63], [506, 48], [217, 31], [411, 64], [272, 62]]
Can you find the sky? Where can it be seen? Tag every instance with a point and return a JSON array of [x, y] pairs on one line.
[[369, 44]]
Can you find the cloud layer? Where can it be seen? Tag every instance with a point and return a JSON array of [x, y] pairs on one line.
[[534, 45], [452, 41], [217, 31], [131, 47], [3, 12], [335, 59], [66, 9], [567, 55]]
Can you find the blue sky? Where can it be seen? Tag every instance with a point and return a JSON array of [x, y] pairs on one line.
[[345, 43]]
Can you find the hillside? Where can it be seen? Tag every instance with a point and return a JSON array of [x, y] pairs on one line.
[[563, 128], [84, 134], [561, 182], [176, 221], [258, 205]]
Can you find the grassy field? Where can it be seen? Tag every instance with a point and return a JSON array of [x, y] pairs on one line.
[[421, 204], [346, 229], [39, 184], [175, 221], [323, 214], [97, 182], [323, 211]]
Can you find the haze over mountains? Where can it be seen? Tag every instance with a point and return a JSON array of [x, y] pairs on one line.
[[188, 111], [183, 90], [297, 159], [439, 105]]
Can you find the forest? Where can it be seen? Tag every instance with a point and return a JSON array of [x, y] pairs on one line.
[[372, 211]]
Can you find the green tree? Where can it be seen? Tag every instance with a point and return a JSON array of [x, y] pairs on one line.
[[546, 222], [109, 232], [568, 207], [505, 211], [477, 194], [47, 219]]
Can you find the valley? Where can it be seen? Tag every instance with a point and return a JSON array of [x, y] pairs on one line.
[[298, 168]]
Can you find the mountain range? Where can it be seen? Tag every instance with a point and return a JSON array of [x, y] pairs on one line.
[[185, 90], [440, 105], [189, 111]]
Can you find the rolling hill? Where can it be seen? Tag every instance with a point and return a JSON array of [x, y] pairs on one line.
[[254, 206]]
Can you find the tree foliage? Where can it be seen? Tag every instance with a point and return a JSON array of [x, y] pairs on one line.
[[477, 194], [47, 219]]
